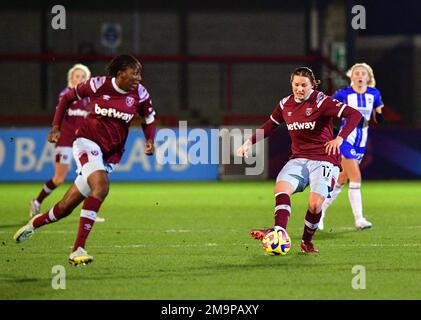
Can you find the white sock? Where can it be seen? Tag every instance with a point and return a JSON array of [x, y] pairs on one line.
[[354, 194], [333, 195]]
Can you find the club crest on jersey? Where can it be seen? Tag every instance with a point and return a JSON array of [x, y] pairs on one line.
[[289, 113], [309, 111], [129, 101], [94, 153]]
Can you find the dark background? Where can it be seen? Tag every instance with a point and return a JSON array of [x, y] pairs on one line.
[[210, 62]]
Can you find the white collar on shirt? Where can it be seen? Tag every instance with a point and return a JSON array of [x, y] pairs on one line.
[[116, 87]]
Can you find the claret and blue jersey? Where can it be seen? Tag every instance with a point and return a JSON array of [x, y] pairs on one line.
[[365, 102]]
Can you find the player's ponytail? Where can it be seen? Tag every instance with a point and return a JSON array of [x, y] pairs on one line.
[[121, 63], [305, 72]]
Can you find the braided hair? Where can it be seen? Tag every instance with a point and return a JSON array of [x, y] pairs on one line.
[[121, 63]]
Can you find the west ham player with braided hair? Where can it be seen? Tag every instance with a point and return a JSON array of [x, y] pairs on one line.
[[99, 145], [364, 97], [315, 160], [72, 119]]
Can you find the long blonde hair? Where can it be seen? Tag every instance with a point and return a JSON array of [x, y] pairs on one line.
[[371, 81], [78, 66]]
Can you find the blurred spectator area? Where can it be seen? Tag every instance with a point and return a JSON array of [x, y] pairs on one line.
[[208, 62]]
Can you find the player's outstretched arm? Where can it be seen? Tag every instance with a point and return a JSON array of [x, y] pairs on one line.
[[149, 148], [149, 131], [352, 117], [54, 134], [267, 128], [242, 151], [338, 110], [63, 104]]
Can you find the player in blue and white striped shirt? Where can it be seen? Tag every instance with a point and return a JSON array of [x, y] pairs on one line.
[[363, 96]]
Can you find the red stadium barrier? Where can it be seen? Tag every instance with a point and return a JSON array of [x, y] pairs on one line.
[[57, 57], [229, 60], [26, 120], [238, 119], [46, 120]]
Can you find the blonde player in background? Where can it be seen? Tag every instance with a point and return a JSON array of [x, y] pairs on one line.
[[72, 120], [364, 97]]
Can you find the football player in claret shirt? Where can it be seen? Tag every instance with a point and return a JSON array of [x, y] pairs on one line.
[[73, 118], [99, 145], [315, 160], [363, 96]]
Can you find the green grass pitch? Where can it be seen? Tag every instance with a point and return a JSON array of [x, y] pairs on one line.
[[191, 241]]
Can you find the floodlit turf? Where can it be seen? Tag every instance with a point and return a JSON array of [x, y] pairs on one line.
[[191, 241]]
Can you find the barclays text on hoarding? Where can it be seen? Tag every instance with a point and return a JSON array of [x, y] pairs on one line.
[[180, 154]]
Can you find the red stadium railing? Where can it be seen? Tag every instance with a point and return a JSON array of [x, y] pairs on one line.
[[25, 119], [59, 57], [244, 119], [228, 60], [46, 120]]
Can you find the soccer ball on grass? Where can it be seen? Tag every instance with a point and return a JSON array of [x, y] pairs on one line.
[[276, 242]]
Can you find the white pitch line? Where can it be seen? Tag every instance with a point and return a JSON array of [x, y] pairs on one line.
[[46, 231], [181, 231], [244, 231], [247, 244], [376, 245], [144, 245]]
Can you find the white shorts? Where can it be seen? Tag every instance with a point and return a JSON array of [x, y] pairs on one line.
[[63, 155], [300, 172], [88, 157]]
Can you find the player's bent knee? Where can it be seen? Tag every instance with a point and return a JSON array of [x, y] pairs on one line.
[[315, 207], [99, 187], [100, 192], [99, 184], [283, 187], [315, 204]]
